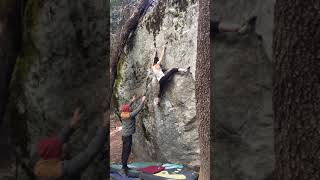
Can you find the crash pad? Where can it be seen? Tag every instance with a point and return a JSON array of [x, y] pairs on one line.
[[172, 171], [116, 168], [166, 174], [138, 165], [190, 175], [146, 176], [172, 166], [117, 176], [152, 169]]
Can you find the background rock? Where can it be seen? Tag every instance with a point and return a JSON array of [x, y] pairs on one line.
[[169, 132], [238, 11], [242, 94], [63, 60]]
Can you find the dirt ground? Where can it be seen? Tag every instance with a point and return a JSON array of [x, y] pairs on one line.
[[116, 142]]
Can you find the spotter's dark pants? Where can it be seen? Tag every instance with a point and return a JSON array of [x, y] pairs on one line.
[[126, 149]]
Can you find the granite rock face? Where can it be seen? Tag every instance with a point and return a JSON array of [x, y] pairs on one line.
[[167, 133], [63, 61], [242, 93]]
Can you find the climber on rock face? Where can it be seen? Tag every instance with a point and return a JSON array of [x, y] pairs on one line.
[[216, 27], [128, 119], [49, 156], [162, 77]]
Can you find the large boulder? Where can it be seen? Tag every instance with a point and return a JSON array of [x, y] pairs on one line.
[[169, 132], [242, 94], [63, 60]]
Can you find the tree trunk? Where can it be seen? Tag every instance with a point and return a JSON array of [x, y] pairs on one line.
[[203, 87], [123, 35], [296, 96], [10, 41]]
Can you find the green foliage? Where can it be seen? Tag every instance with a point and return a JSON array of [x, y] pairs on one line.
[[118, 79], [155, 20]]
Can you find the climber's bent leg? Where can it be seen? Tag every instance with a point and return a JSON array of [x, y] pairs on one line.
[[126, 150], [161, 89], [167, 76], [165, 79]]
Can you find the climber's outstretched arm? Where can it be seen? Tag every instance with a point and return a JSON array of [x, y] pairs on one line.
[[135, 112], [66, 132], [134, 99], [162, 54], [82, 160]]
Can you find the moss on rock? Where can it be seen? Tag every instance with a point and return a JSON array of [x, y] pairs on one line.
[[181, 4], [32, 12], [155, 20], [17, 115], [118, 80]]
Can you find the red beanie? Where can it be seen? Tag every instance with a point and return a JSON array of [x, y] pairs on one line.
[[50, 148], [125, 108]]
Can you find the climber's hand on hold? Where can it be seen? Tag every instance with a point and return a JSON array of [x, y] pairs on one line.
[[165, 45], [133, 98], [143, 98], [75, 120]]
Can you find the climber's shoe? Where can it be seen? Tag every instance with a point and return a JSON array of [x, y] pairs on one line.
[[252, 21], [156, 101], [184, 70], [124, 171], [188, 69]]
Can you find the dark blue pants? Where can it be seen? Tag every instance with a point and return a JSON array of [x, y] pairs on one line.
[[126, 149]]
